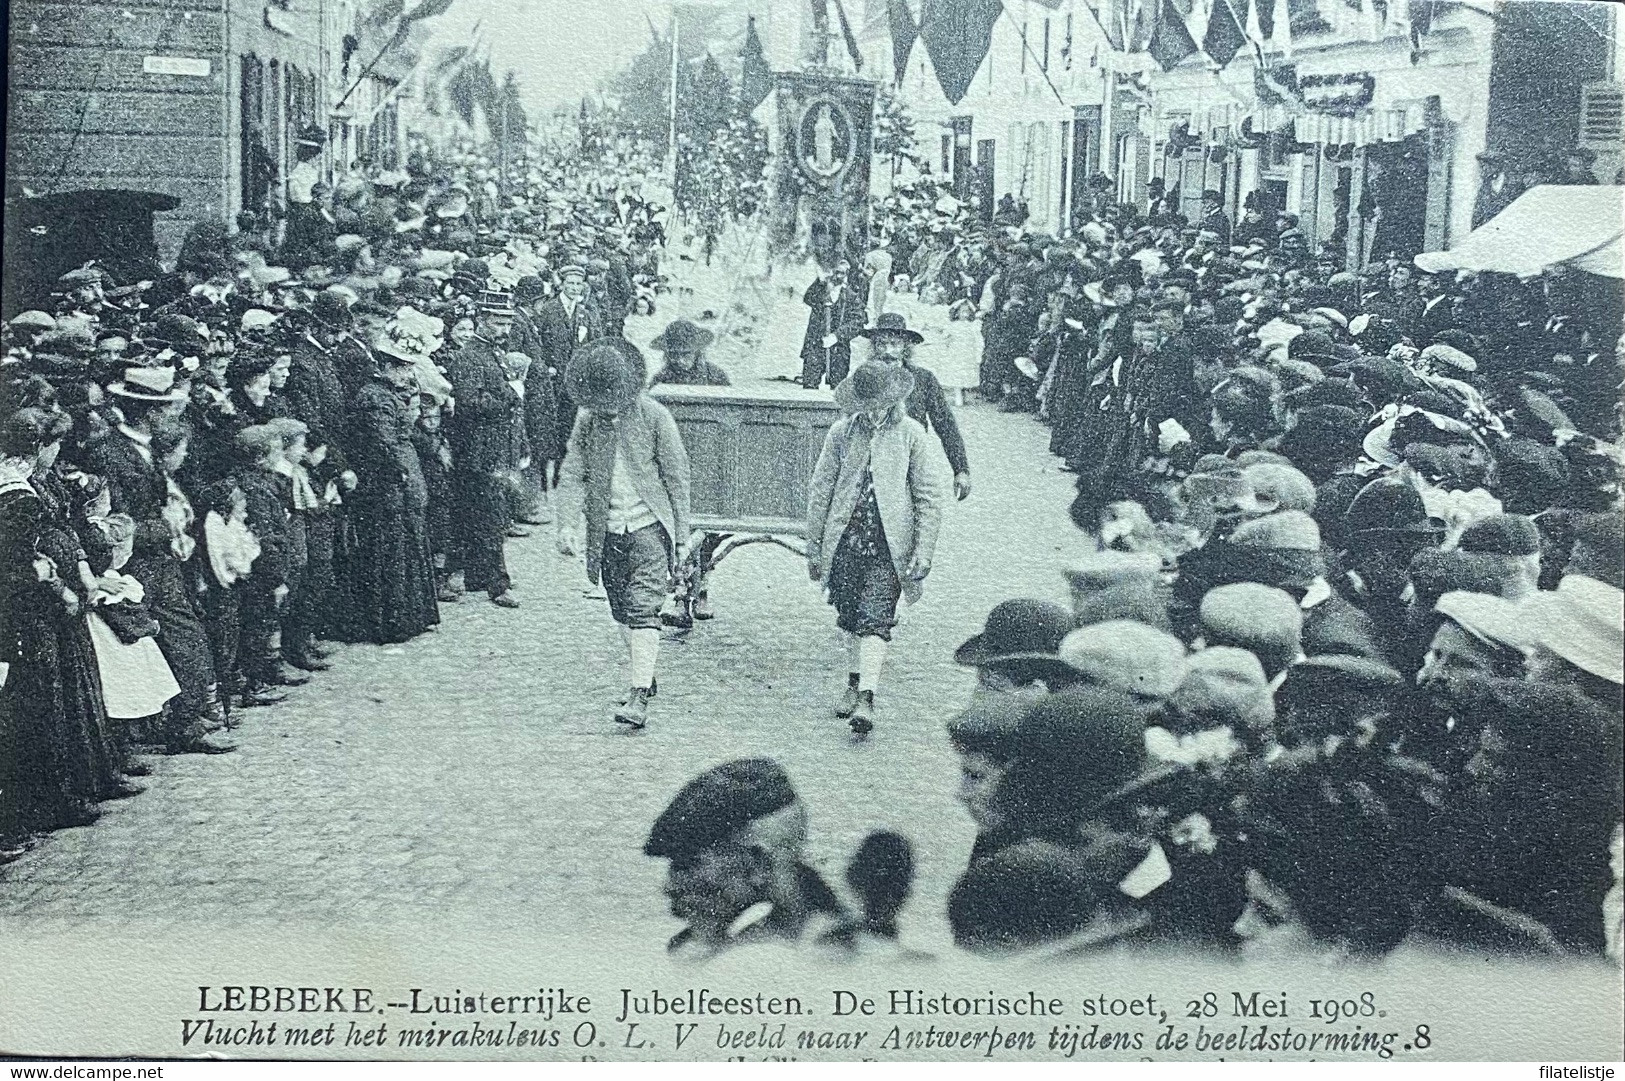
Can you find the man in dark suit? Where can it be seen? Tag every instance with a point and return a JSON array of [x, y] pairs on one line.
[[550, 332], [893, 343], [835, 315], [1437, 313], [480, 435]]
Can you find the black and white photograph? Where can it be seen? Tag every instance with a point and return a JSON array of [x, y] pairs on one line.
[[817, 530]]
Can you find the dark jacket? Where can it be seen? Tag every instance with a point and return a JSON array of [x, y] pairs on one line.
[[316, 395], [702, 374], [480, 428], [137, 487], [844, 319], [558, 334], [268, 519], [929, 405]]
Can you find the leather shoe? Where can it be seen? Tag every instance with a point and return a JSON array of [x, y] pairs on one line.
[[317, 650], [78, 814], [634, 712], [126, 789], [136, 769], [448, 596], [307, 662], [517, 531], [262, 696], [505, 600], [201, 745], [284, 678], [702, 607]]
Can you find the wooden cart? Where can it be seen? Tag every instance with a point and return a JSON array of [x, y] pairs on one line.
[[751, 453]]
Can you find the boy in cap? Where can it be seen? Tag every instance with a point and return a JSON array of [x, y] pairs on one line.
[[734, 837], [626, 477]]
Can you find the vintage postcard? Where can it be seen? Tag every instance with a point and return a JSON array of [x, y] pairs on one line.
[[997, 530]]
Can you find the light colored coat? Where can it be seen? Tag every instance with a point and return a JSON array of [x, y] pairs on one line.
[[653, 451], [911, 488]]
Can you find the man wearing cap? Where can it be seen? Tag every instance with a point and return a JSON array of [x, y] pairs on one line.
[[480, 445], [733, 837], [625, 482], [562, 325]]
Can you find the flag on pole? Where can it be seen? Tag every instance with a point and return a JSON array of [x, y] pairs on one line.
[[851, 40], [957, 35], [904, 30]]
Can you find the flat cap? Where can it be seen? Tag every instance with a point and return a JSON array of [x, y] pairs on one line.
[[711, 807]]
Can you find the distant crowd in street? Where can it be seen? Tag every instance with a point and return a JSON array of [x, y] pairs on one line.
[[1346, 668], [304, 435]]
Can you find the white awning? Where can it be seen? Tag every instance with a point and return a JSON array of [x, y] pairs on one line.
[[1391, 125], [1547, 226]]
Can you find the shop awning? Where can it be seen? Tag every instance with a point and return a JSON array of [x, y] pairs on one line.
[[1550, 225]]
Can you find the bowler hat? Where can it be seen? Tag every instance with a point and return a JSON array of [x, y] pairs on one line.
[[874, 386], [1386, 506], [710, 808], [1019, 629], [682, 336], [892, 323], [1502, 534], [529, 289], [605, 375]]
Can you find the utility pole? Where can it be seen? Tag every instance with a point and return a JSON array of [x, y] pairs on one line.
[[671, 134], [502, 147]]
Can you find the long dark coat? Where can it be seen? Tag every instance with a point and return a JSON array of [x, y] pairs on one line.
[[392, 571], [554, 335], [481, 425]]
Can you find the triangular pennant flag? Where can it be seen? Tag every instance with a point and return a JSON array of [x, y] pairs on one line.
[[957, 34], [755, 77], [1281, 28], [1255, 29], [851, 41], [1171, 41], [1109, 15], [904, 31], [1224, 37]]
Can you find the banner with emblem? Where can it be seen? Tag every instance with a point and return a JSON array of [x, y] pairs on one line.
[[826, 127]]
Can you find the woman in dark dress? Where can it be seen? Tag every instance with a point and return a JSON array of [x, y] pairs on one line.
[[392, 570], [51, 716]]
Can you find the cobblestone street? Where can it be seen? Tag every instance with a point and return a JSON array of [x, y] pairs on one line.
[[477, 768]]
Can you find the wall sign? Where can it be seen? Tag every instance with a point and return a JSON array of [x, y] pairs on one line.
[[1337, 95], [176, 65]]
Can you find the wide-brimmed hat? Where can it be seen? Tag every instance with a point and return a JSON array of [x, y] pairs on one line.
[[605, 375], [892, 323], [148, 385], [1020, 629], [873, 386], [1386, 506], [682, 336]]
